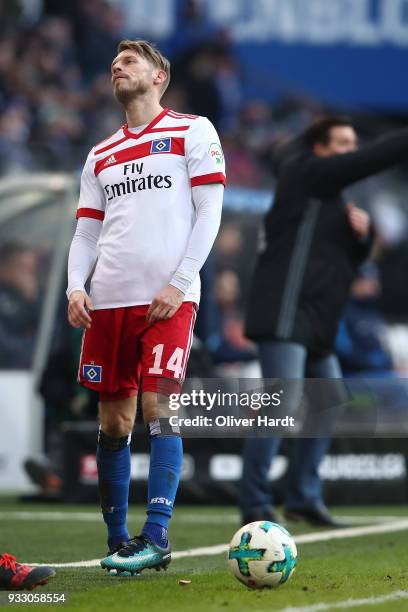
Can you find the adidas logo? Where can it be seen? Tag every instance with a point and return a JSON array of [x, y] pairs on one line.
[[110, 160]]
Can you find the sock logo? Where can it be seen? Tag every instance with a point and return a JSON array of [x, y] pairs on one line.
[[161, 500]]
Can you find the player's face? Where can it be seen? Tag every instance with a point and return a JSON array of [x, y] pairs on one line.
[[132, 76], [343, 139]]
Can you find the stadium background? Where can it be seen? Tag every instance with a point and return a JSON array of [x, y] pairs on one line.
[[260, 71]]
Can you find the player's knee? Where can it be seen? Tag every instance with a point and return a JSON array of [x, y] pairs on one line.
[[118, 427], [116, 423]]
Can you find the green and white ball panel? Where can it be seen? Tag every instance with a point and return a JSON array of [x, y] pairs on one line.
[[262, 554]]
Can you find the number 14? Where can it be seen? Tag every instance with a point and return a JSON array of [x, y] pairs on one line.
[[174, 364]]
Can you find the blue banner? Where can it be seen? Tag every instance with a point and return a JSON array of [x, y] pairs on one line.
[[343, 52]]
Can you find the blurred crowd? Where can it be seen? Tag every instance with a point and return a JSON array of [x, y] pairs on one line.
[[56, 99], [55, 92]]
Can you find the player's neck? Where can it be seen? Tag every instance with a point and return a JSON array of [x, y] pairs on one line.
[[142, 110]]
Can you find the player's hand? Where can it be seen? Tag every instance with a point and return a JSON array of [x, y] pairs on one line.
[[165, 304], [359, 220], [79, 306]]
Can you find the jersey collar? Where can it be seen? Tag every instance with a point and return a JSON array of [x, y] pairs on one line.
[[147, 129]]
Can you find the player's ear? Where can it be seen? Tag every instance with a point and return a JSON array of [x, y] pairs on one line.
[[159, 77]]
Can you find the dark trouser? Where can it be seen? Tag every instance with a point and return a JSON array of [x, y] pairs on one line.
[[304, 486]]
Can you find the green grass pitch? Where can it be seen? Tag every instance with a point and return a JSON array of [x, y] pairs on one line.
[[327, 572]]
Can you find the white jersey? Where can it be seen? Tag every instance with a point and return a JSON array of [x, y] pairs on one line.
[[140, 185]]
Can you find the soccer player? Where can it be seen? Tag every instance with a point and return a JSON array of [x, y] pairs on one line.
[[149, 211], [16, 576]]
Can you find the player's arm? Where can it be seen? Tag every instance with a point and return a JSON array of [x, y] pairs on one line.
[[206, 169], [83, 250], [81, 260], [208, 204], [338, 171]]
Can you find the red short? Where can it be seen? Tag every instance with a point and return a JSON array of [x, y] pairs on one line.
[[121, 349]]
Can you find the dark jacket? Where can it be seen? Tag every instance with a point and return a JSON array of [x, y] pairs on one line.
[[304, 271]]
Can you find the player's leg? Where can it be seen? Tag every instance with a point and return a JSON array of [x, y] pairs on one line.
[[166, 347], [108, 365], [166, 457], [151, 549], [113, 459], [278, 360], [166, 352], [16, 576]]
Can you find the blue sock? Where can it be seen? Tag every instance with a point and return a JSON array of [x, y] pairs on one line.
[[156, 533], [113, 459], [166, 456]]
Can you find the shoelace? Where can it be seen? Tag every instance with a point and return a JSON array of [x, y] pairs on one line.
[[117, 548], [135, 544], [9, 562]]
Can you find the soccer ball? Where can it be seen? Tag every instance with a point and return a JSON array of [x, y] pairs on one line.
[[262, 554]]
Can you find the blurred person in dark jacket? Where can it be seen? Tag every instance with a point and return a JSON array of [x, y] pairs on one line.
[[313, 245], [19, 305]]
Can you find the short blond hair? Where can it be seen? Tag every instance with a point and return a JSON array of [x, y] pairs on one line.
[[149, 52]]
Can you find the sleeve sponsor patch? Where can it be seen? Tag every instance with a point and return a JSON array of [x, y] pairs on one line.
[[215, 152]]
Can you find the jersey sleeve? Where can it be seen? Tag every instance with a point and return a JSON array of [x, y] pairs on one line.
[[205, 158], [91, 198]]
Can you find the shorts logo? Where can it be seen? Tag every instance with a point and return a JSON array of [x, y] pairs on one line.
[[92, 373], [161, 146]]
